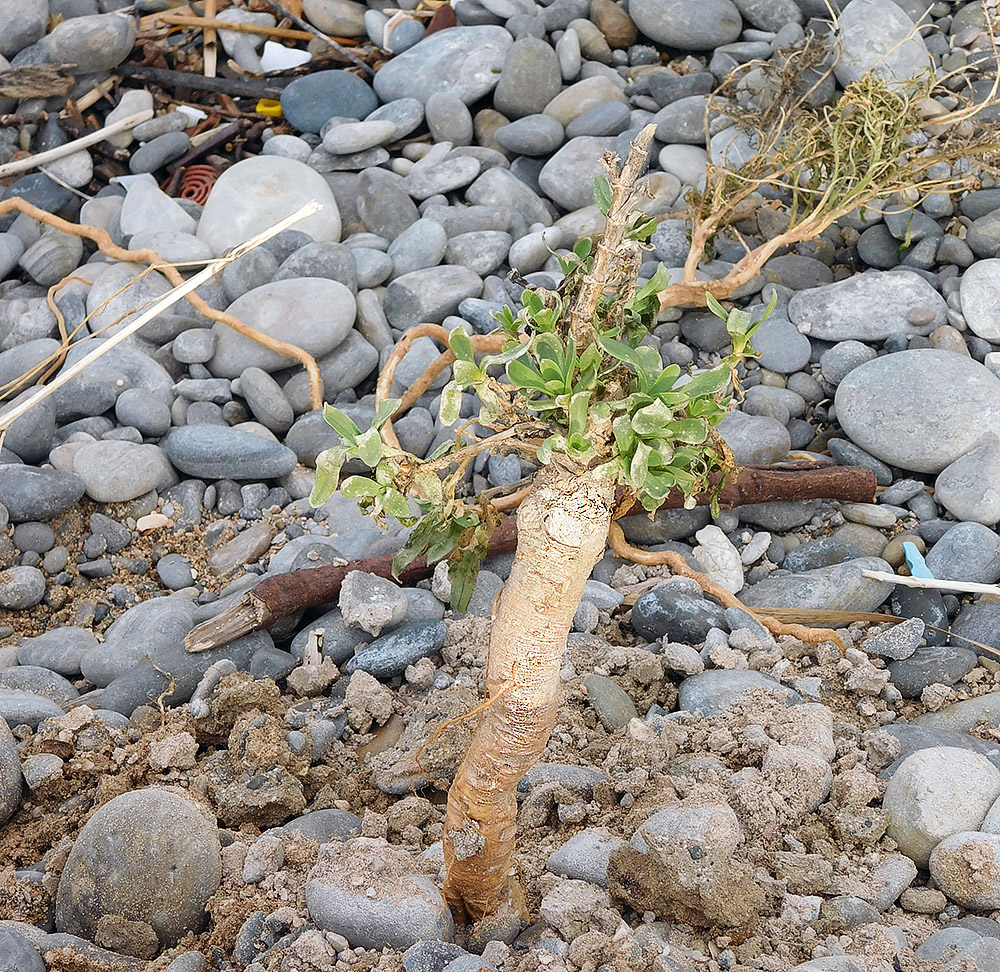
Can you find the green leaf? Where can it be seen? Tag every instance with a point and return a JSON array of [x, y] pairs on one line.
[[650, 362], [504, 357], [492, 408], [583, 247], [692, 431], [384, 411], [624, 436], [578, 407], [551, 371], [665, 380], [328, 466], [451, 403], [602, 193], [652, 420], [467, 373], [505, 318], [395, 503], [716, 308], [461, 345], [590, 358], [708, 382], [639, 466], [447, 446], [643, 227], [554, 443], [463, 572], [621, 351], [549, 347], [612, 469], [370, 448], [532, 302], [428, 484], [578, 447], [658, 282], [355, 487], [524, 376], [341, 424], [769, 310]]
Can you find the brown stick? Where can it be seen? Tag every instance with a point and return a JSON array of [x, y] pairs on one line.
[[211, 23], [284, 594], [108, 247]]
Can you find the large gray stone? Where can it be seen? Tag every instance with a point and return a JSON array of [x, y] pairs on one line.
[[37, 494], [313, 313], [935, 793], [877, 36], [10, 774], [465, 61], [841, 587], [429, 295], [530, 78], [833, 312], [690, 25], [968, 487], [95, 43], [980, 296], [568, 177], [755, 439], [967, 552], [714, 692], [151, 856], [919, 409], [220, 452], [406, 905], [256, 193], [17, 954]]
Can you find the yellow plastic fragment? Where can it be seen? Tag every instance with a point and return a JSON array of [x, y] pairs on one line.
[[268, 107]]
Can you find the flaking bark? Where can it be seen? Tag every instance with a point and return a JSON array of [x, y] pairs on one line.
[[562, 530]]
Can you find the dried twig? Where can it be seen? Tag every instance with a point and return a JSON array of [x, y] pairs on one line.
[[61, 151], [212, 23], [210, 41], [162, 304], [109, 248]]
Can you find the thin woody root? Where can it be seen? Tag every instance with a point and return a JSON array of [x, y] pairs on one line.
[[622, 548], [108, 247], [482, 707]]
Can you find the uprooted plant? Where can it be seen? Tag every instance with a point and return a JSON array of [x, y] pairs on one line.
[[577, 390], [812, 163], [572, 384]]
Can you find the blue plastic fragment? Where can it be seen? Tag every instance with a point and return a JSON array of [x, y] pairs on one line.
[[915, 561]]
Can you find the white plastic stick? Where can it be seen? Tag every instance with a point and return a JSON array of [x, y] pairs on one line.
[[167, 300], [932, 583], [61, 151]]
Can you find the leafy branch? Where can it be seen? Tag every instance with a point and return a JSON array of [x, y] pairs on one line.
[[577, 386]]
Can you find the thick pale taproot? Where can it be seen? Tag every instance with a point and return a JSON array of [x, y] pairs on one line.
[[562, 530]]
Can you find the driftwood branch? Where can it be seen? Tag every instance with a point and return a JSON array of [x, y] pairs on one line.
[[284, 594]]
